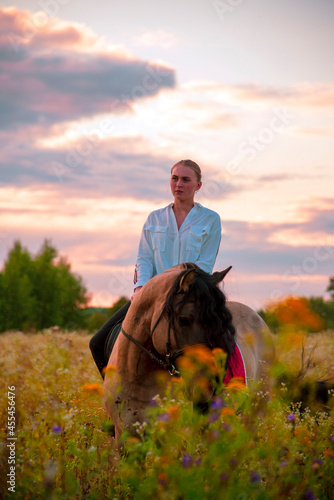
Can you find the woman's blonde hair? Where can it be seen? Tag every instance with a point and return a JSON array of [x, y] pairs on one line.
[[192, 165]]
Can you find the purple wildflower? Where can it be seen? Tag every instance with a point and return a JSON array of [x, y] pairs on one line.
[[224, 477], [254, 476], [213, 417], [291, 417], [309, 495], [284, 463], [218, 403], [164, 417], [56, 429], [187, 460]]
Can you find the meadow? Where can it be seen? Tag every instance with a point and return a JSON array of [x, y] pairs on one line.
[[243, 448]]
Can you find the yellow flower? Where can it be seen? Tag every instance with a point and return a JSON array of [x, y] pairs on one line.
[[93, 388], [237, 383], [227, 411], [109, 368], [173, 412]]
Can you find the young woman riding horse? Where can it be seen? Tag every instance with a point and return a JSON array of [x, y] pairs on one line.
[[176, 309], [184, 231]]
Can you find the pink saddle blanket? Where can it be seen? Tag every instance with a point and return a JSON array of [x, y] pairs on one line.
[[235, 366]]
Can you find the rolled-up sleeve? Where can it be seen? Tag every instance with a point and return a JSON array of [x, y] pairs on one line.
[[209, 250]]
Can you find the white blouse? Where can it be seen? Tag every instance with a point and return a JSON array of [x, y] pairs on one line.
[[162, 245]]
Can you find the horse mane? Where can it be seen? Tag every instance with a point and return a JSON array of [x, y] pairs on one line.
[[210, 307]]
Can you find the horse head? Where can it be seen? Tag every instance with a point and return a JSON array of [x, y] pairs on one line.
[[194, 312]]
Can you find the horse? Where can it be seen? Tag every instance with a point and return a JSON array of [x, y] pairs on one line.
[[183, 306]]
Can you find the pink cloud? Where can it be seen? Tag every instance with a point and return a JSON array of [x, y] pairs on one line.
[[51, 75]]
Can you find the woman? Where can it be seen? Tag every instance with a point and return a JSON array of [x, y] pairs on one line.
[[184, 231]]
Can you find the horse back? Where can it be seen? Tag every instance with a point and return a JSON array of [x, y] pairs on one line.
[[254, 340]]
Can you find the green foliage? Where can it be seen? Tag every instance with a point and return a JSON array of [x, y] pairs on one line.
[[39, 292], [120, 303], [330, 287], [325, 309], [95, 317]]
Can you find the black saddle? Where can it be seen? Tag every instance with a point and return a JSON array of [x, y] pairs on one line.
[[111, 339]]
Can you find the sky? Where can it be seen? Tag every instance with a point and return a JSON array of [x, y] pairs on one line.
[[99, 99]]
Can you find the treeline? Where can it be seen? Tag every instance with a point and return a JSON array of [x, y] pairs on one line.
[[41, 291]]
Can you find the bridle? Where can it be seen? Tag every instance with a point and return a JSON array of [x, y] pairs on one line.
[[168, 361]]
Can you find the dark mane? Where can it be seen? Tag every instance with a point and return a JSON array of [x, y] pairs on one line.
[[210, 308]]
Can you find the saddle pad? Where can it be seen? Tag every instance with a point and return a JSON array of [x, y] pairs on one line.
[[235, 366]]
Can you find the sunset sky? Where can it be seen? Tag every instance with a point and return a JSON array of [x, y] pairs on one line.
[[100, 98]]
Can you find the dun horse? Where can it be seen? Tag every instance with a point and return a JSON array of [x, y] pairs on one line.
[[181, 307]]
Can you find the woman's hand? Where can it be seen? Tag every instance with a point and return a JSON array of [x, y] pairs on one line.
[[136, 290]]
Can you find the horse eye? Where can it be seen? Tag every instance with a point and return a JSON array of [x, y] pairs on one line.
[[184, 321]]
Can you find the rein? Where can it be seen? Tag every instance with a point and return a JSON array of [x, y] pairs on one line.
[[168, 362]]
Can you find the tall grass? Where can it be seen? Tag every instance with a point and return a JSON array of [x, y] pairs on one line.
[[243, 448]]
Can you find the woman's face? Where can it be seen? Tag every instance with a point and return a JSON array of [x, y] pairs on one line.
[[184, 183]]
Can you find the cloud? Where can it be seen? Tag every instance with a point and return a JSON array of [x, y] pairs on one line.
[[46, 80], [157, 38], [309, 95], [317, 131]]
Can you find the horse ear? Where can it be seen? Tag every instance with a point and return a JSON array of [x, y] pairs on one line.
[[186, 281], [220, 275]]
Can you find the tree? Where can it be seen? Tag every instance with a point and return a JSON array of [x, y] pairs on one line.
[[330, 287], [115, 307], [16, 289], [40, 292]]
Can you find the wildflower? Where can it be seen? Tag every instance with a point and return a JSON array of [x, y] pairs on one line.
[[309, 495], [174, 412], [234, 463], [316, 463], [218, 403], [93, 388], [187, 460], [198, 461], [109, 368], [164, 417], [284, 463], [56, 429], [224, 477], [213, 417], [254, 476], [291, 417], [227, 411], [162, 478], [236, 383]]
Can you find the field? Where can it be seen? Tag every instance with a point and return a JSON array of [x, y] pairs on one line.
[[62, 447]]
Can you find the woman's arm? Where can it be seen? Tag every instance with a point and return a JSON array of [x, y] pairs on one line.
[[145, 259], [209, 250]]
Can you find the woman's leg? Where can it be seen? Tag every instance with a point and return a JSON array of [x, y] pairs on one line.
[[97, 342]]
